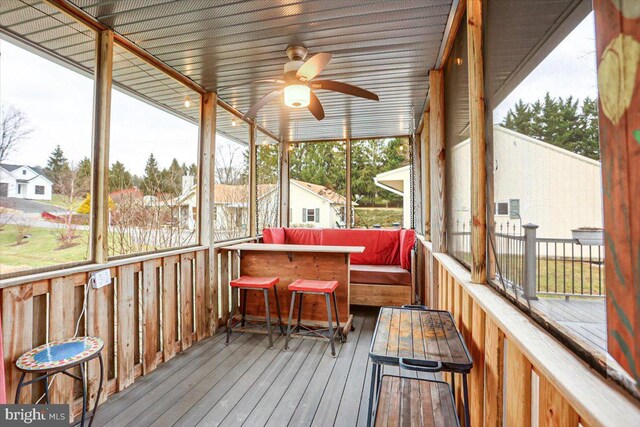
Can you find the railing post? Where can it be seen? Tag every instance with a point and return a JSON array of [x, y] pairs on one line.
[[530, 273]]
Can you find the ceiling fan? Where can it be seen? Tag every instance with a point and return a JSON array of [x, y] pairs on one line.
[[298, 84]]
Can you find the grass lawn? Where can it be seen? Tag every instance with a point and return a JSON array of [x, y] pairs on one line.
[[38, 251], [368, 217]]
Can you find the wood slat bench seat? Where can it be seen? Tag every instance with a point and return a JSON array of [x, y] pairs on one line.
[[415, 402]]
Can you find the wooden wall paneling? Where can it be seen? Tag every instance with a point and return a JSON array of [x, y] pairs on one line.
[[39, 335], [437, 159], [476, 345], [478, 143], [150, 318], [100, 150], [186, 299], [100, 324], [126, 326], [202, 304], [553, 409], [17, 315], [494, 365], [61, 326], [206, 188], [518, 387], [618, 59], [224, 286], [169, 307]]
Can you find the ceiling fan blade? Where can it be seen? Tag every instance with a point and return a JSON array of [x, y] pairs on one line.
[[316, 107], [313, 66], [344, 88], [261, 103], [274, 81]]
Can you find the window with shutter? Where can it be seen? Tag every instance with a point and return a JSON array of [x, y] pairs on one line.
[[304, 214]]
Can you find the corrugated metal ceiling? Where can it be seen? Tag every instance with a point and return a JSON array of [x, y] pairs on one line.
[[385, 46]]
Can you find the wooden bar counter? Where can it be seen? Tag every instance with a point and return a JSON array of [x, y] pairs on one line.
[[291, 262]]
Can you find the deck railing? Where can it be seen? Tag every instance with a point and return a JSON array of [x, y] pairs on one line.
[[517, 364], [156, 306]]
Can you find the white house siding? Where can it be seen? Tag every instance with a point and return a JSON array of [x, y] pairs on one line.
[[558, 190], [31, 189], [300, 199], [10, 181], [25, 180]]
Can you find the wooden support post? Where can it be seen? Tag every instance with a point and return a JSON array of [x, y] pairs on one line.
[[437, 160], [416, 179], [478, 143], [100, 151], [284, 183], [349, 206], [206, 184], [426, 176], [253, 182]]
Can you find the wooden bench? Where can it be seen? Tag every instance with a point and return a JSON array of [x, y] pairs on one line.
[[414, 402]]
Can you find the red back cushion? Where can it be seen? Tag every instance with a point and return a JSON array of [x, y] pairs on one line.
[[303, 236], [407, 242], [382, 247], [273, 235]]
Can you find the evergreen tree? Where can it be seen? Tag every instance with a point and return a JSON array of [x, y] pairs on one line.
[[151, 178], [171, 181], [267, 164], [84, 169], [57, 167], [566, 123], [119, 177]]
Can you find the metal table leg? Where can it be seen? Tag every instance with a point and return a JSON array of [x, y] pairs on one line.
[[19, 389], [465, 391], [372, 391]]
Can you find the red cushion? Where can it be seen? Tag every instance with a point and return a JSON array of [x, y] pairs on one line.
[[254, 282], [305, 285], [381, 246], [303, 236], [380, 275], [273, 235], [407, 242]]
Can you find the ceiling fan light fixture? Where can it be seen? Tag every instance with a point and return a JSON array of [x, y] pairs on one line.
[[297, 95]]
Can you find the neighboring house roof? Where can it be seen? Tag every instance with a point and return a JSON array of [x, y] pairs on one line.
[[322, 191], [10, 168]]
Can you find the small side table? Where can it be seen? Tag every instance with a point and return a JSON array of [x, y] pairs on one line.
[[59, 357]]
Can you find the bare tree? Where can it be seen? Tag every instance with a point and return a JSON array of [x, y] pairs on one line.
[[6, 216], [15, 128], [23, 227], [71, 186]]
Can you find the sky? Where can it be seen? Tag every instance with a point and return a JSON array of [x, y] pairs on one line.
[[58, 103], [570, 69]]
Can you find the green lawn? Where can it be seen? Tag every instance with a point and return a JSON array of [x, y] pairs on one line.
[[367, 217], [38, 251], [62, 202]]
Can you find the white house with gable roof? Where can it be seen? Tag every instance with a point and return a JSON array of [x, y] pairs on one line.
[[22, 182]]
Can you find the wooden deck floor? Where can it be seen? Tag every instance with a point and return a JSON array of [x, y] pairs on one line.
[[245, 383], [583, 318]]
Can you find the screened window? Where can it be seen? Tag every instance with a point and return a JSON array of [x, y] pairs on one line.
[[502, 208], [153, 156], [318, 182], [46, 114], [268, 179]]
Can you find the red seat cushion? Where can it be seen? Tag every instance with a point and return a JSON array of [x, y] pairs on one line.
[[380, 275], [304, 285], [254, 282], [273, 235], [303, 236], [382, 247]]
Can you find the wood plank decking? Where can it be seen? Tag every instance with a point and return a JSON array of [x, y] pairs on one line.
[[584, 318], [245, 383]]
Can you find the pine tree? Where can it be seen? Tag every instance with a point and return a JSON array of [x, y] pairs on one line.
[[171, 181], [57, 167], [84, 169], [119, 177], [151, 178], [566, 123]]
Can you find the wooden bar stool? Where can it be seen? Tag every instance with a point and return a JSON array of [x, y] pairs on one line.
[[318, 287], [248, 283]]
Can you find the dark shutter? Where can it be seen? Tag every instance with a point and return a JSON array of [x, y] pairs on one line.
[[317, 214]]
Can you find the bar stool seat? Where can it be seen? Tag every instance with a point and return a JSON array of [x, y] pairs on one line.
[[322, 287], [319, 286], [249, 283]]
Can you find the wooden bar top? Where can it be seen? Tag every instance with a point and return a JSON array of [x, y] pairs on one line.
[[269, 247]]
